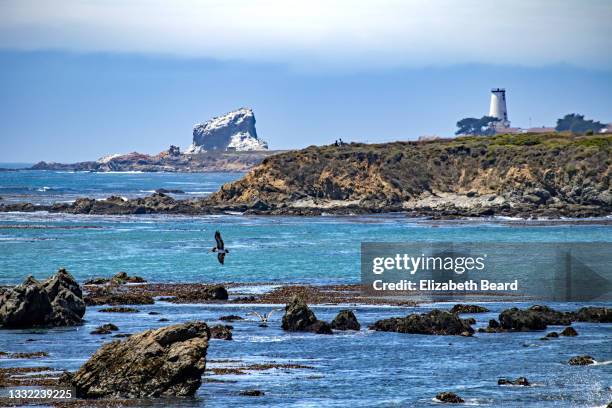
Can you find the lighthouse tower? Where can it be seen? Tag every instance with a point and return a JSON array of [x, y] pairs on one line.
[[498, 107]]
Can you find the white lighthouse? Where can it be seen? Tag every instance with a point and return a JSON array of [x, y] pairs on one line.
[[498, 107]]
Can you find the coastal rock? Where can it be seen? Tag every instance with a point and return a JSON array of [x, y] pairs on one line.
[[299, 317], [345, 320], [233, 131], [252, 393], [519, 381], [594, 314], [165, 362], [114, 298], [58, 301], [581, 360], [107, 328], [436, 322], [552, 335], [569, 332], [533, 319], [449, 398], [460, 308], [230, 318], [221, 332], [118, 309], [205, 294]]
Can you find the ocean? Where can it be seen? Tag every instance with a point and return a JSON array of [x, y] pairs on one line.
[[359, 369]]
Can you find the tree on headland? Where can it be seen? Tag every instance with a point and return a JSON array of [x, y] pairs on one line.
[[475, 126], [576, 123]]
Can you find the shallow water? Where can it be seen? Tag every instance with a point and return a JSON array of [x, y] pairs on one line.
[[356, 369]]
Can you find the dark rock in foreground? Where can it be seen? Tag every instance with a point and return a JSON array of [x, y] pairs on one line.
[[519, 381], [437, 322], [298, 317], [533, 319], [221, 332], [449, 398], [165, 362], [345, 320], [594, 315], [569, 332], [58, 301], [460, 308], [581, 360]]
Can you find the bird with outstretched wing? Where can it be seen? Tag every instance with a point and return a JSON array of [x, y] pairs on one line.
[[220, 248]]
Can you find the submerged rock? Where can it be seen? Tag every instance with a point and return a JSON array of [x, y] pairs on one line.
[[581, 360], [118, 309], [519, 381], [107, 328], [299, 317], [165, 362], [437, 322], [345, 320], [230, 318], [460, 308], [449, 398], [552, 335], [221, 332], [58, 301], [252, 393]]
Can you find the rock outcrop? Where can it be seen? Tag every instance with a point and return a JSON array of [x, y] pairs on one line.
[[519, 381], [460, 308], [533, 319], [449, 398], [594, 314], [58, 301], [527, 175], [221, 332], [233, 131], [345, 320], [299, 317], [437, 322], [165, 362], [581, 360], [569, 332]]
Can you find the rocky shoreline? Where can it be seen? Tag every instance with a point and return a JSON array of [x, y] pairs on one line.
[[171, 361]]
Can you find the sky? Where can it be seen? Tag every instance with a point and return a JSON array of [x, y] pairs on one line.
[[80, 79]]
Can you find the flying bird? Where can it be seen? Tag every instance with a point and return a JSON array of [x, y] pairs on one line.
[[220, 248], [264, 318]]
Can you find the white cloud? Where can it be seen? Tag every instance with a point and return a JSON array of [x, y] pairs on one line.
[[322, 33]]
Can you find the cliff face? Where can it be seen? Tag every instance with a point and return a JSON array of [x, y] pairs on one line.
[[233, 131], [506, 174]]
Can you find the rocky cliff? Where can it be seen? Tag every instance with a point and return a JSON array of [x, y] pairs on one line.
[[233, 131], [524, 175]]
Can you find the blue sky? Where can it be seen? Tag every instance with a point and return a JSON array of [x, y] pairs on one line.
[[92, 78]]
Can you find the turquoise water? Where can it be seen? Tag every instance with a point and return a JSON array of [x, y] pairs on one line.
[[358, 369]]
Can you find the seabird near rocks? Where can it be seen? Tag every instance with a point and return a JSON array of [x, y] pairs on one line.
[[220, 248]]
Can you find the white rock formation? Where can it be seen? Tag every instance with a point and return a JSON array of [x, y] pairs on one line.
[[233, 131]]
